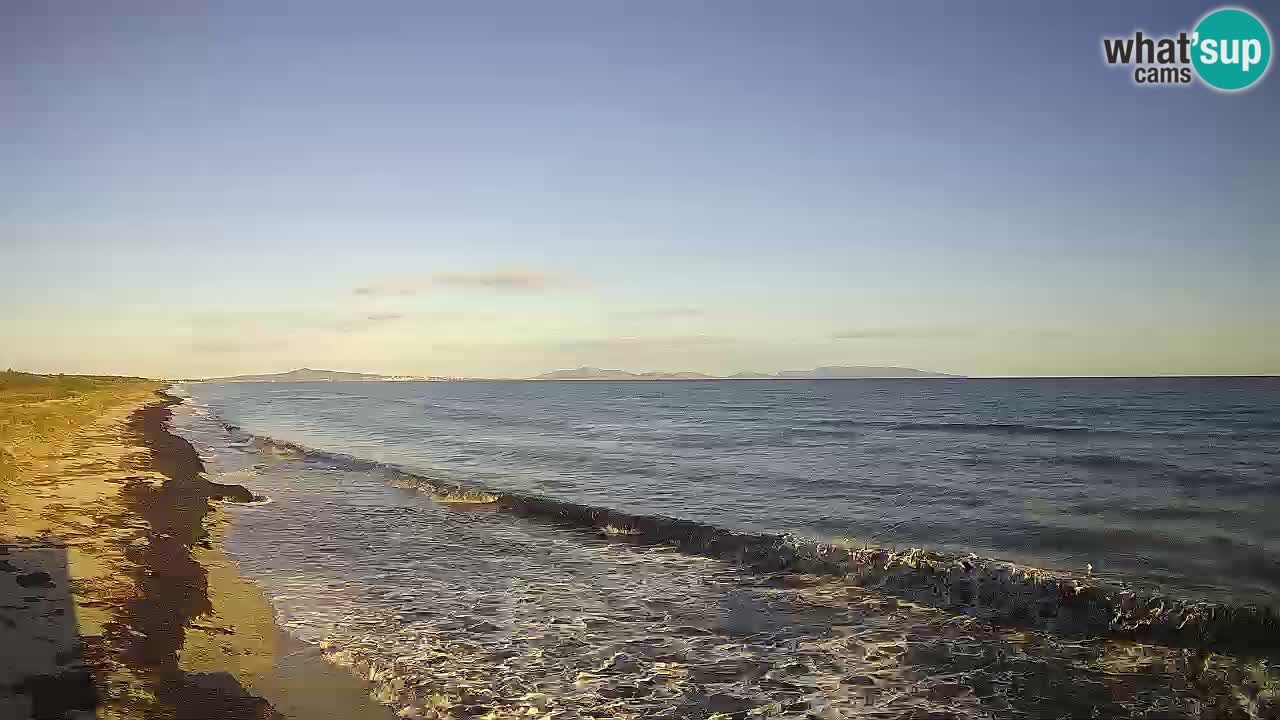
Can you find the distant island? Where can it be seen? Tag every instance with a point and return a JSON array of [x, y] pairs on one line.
[[593, 373], [846, 372], [309, 375], [828, 372]]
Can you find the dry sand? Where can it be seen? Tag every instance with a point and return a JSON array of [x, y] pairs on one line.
[[116, 600]]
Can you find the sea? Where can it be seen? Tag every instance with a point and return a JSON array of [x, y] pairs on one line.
[[892, 548]]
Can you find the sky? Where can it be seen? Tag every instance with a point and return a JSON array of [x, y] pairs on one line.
[[499, 189]]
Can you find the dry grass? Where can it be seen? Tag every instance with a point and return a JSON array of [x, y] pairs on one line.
[[39, 412]]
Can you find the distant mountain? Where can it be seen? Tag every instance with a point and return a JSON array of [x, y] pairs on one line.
[[675, 376], [587, 373], [842, 372], [309, 375], [593, 373], [830, 372]]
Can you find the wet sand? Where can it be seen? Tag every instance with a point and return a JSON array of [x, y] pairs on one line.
[[116, 600]]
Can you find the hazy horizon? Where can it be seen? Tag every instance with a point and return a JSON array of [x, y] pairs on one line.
[[773, 374], [501, 190]]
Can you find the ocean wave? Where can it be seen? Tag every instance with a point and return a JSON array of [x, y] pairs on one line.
[[992, 590], [838, 422], [1103, 461], [1000, 428]]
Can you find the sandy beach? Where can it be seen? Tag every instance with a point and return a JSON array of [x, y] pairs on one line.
[[116, 600]]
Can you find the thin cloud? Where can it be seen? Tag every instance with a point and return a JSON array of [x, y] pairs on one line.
[[501, 280], [367, 322], [951, 333], [903, 333], [515, 280], [385, 290], [1054, 335], [626, 342], [215, 347], [254, 330], [592, 343], [240, 321], [667, 313]]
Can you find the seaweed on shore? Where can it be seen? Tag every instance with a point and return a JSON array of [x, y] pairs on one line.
[[172, 585]]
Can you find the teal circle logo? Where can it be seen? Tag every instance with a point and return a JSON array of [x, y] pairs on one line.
[[1231, 49]]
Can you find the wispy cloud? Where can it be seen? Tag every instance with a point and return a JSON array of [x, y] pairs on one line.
[[366, 322], [385, 290], [509, 280], [267, 330], [1052, 334], [904, 333], [668, 313], [501, 280], [605, 343], [946, 332], [618, 342]]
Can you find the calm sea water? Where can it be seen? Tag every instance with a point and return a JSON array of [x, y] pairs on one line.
[[1168, 484]]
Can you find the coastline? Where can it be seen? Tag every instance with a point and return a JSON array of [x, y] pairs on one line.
[[125, 605]]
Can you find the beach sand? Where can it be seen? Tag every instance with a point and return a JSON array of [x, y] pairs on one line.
[[116, 600]]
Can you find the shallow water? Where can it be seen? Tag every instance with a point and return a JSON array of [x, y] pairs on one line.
[[1168, 483], [456, 610]]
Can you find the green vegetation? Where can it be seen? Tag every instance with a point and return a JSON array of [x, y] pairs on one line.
[[39, 411]]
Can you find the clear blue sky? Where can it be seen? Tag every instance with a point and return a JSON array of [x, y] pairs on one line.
[[504, 188]]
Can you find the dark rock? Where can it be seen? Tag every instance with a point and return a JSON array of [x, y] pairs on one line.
[[622, 691], [620, 662], [230, 493], [982, 685], [53, 696], [725, 703], [35, 579], [947, 691]]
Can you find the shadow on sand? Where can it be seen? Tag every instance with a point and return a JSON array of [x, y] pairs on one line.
[[49, 670], [172, 588], [42, 669]]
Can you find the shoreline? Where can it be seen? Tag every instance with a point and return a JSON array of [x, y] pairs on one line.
[[294, 678], [125, 604]]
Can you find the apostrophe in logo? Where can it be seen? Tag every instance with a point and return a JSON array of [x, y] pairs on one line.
[[1231, 49]]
